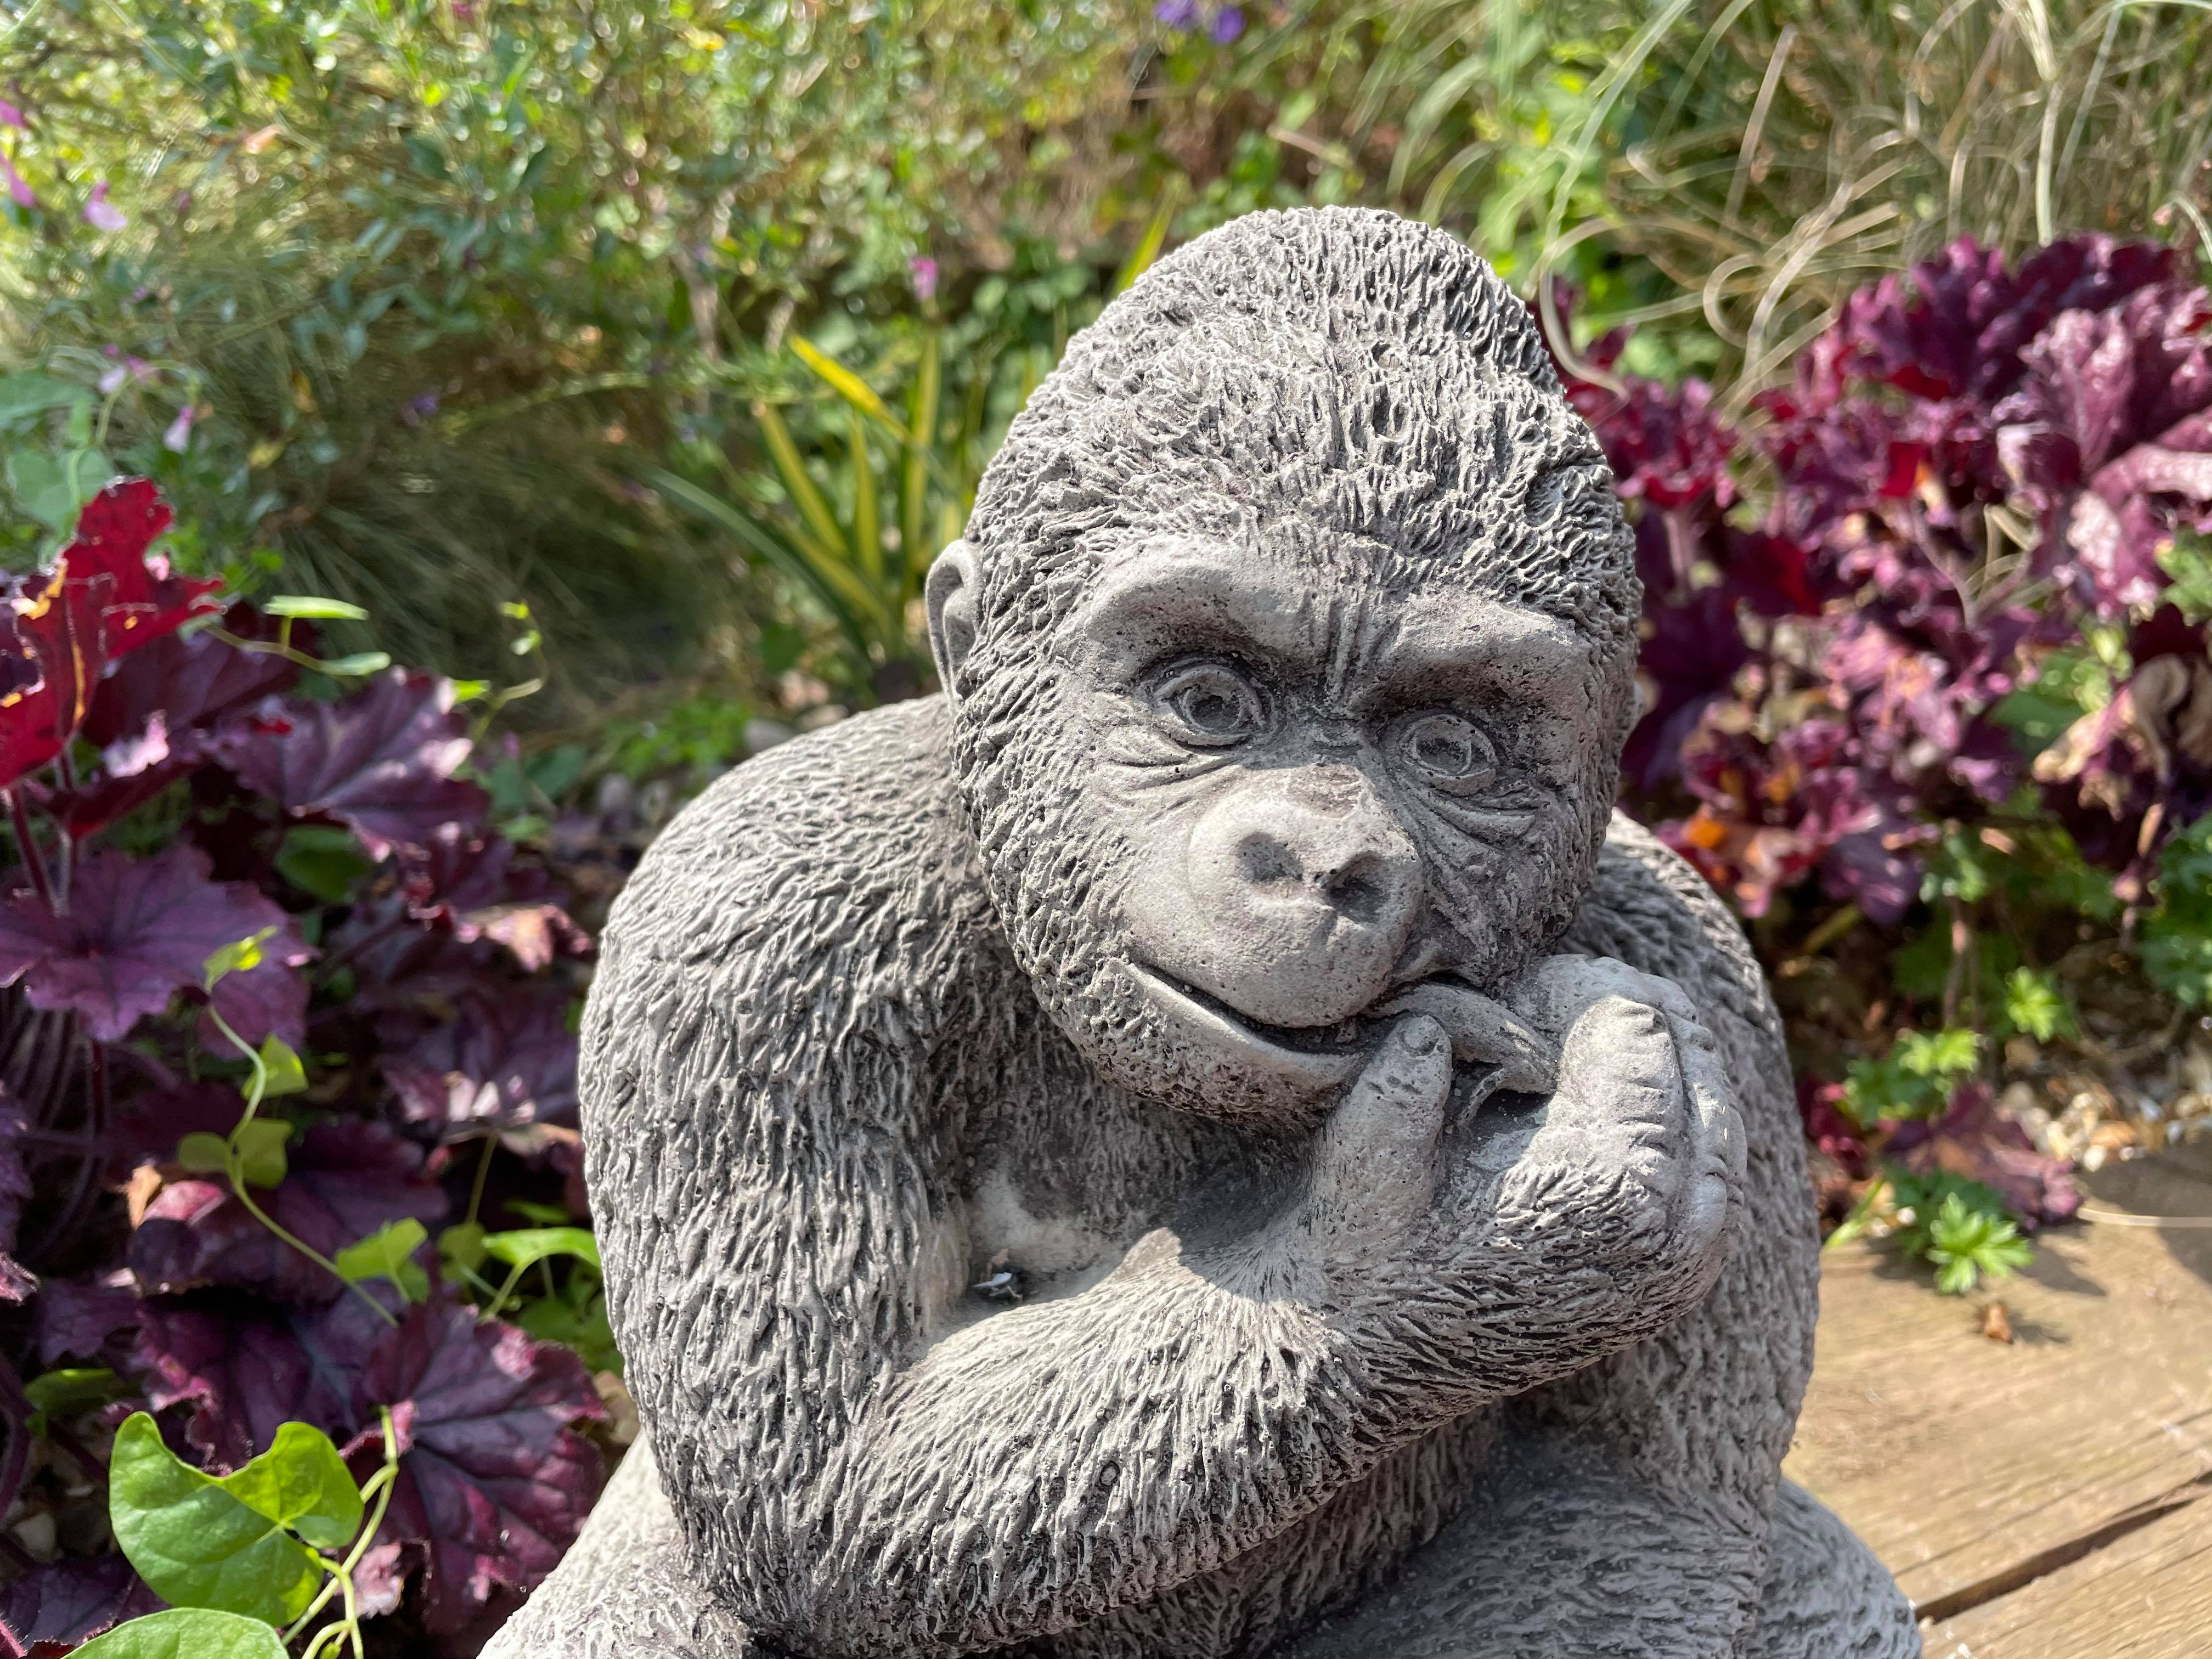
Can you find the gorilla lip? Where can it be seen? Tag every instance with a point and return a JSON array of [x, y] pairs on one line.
[[1322, 1056]]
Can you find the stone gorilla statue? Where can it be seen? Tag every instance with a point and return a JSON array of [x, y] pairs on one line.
[[1210, 1138]]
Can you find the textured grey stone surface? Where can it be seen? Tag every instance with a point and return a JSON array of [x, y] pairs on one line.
[[1380, 1159]]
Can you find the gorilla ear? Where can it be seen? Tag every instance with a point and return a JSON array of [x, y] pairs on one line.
[[949, 595]]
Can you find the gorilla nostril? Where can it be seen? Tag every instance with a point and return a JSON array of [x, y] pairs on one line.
[[1265, 862], [1359, 894]]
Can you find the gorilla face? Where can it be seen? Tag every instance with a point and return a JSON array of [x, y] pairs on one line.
[[1254, 793]]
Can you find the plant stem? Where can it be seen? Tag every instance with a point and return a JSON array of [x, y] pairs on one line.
[[27, 847], [483, 1169]]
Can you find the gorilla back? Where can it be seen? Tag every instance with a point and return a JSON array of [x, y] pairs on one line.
[[1208, 1139]]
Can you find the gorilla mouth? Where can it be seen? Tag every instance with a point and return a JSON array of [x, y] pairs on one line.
[[1346, 1036], [1317, 1058]]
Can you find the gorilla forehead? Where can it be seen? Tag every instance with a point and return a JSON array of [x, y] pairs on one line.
[[1302, 375]]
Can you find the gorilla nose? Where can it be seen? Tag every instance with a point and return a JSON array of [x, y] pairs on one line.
[[1312, 888], [1363, 882]]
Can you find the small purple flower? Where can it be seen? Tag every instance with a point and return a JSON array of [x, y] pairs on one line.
[[178, 437], [1177, 13], [100, 213], [17, 185], [1227, 23], [126, 369], [923, 270], [420, 409], [12, 117]]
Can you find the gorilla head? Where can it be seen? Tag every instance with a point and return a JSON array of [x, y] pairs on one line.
[[1291, 652]]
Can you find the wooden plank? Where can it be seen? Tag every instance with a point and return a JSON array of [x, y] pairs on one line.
[[1962, 1461], [2147, 1596]]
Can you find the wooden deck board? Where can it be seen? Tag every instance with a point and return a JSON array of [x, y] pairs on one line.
[[1970, 1465]]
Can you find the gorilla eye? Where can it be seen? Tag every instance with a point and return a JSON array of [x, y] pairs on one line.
[[1450, 752], [1213, 706]]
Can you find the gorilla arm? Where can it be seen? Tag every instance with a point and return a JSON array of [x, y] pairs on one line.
[[1626, 1509]]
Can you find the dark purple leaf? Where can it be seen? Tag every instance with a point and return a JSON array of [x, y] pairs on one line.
[[399, 963], [381, 762], [346, 1179], [15, 1283], [498, 1064], [473, 885], [241, 1368], [493, 1475], [65, 1602], [150, 1131], [78, 1317], [190, 681], [137, 931]]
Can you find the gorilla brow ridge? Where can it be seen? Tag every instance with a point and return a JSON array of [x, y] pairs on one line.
[[1338, 366]]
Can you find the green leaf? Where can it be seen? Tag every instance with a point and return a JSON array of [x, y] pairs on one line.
[[237, 958], [308, 604], [202, 1153], [323, 859], [2033, 1004], [527, 1246], [285, 1075], [33, 393], [360, 662], [260, 1142], [388, 1253], [301, 1483], [461, 1246], [200, 1542], [545, 1215], [187, 1633], [72, 1390]]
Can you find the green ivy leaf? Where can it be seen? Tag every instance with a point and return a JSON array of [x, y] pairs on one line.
[[199, 1541], [361, 662], [301, 1483], [236, 958], [388, 1253], [527, 1246], [70, 1389], [187, 1633], [202, 1153], [309, 605], [260, 1142], [462, 1245], [283, 1073]]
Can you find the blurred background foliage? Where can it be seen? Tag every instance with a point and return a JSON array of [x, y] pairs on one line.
[[462, 302]]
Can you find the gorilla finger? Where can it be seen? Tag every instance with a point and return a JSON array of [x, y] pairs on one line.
[[1484, 1032], [1375, 1159], [1620, 1068]]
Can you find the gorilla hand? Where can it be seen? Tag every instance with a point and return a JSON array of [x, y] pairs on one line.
[[1480, 1258]]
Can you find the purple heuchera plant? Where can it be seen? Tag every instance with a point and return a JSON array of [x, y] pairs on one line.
[[425, 982], [1874, 601]]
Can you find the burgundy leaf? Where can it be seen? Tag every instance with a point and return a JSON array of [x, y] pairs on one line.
[[498, 1064], [381, 761], [346, 1179], [192, 679], [104, 600], [399, 963], [66, 1602], [241, 1368], [137, 931], [493, 1475]]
